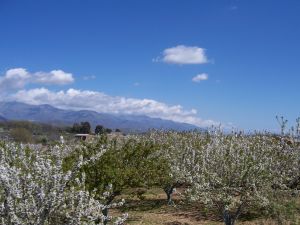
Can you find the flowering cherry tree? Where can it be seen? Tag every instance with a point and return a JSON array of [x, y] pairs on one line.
[[233, 172], [35, 190], [176, 148]]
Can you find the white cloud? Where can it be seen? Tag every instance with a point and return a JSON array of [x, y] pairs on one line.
[[58, 77], [14, 81], [200, 77], [100, 102], [17, 72], [182, 54], [14, 78], [18, 78]]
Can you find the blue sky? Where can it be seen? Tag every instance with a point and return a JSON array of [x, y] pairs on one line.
[[118, 51]]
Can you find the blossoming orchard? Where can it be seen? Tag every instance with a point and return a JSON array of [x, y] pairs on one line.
[[228, 174]]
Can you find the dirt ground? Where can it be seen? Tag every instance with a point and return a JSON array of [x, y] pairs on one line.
[[153, 210]]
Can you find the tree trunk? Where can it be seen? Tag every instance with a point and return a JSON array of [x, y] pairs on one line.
[[105, 213], [108, 202], [228, 218], [169, 191]]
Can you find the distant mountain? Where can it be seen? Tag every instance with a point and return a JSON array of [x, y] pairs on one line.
[[2, 118], [52, 115]]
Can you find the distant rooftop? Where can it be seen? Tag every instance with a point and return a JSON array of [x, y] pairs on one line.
[[82, 135]]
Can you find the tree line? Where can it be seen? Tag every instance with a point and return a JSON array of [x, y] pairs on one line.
[[85, 128]]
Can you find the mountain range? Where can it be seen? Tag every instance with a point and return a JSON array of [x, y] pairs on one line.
[[2, 118], [49, 114]]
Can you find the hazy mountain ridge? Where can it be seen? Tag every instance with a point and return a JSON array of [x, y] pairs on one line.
[[2, 118], [49, 114]]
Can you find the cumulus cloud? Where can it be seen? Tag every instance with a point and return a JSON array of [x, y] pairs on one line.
[[100, 102], [13, 88], [182, 54], [18, 78], [200, 77], [58, 77], [14, 78]]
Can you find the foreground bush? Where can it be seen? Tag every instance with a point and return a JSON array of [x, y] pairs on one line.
[[132, 163], [35, 190]]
